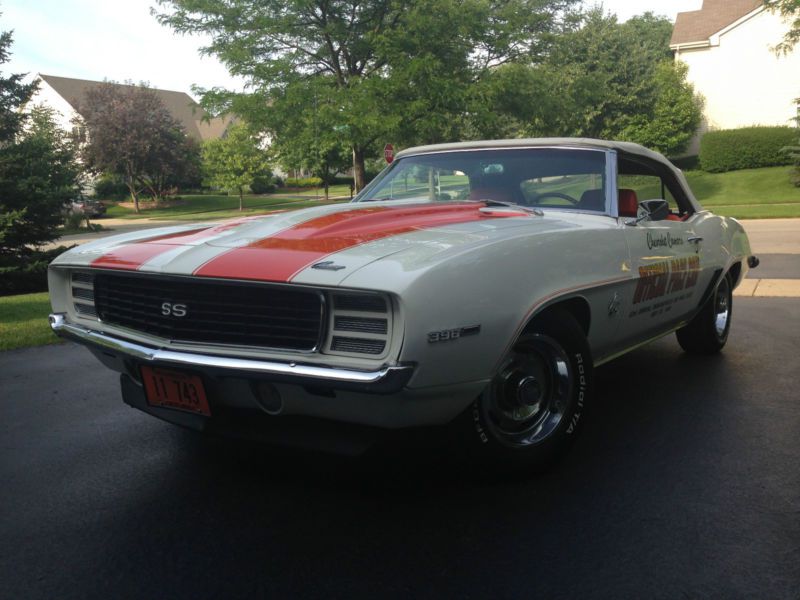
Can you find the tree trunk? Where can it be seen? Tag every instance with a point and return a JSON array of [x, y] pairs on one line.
[[134, 195], [359, 171], [326, 190], [241, 200]]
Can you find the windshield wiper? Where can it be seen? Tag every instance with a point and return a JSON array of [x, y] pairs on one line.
[[529, 209]]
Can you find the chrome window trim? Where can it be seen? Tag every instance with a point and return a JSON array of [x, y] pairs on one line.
[[612, 194]]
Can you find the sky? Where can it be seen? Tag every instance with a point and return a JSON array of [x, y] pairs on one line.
[[120, 40]]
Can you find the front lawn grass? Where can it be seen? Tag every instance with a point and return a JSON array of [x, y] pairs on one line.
[[23, 321], [747, 194], [209, 206]]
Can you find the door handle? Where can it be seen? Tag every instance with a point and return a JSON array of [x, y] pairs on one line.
[[694, 240]]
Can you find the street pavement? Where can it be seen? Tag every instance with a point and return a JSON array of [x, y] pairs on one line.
[[777, 244], [684, 484]]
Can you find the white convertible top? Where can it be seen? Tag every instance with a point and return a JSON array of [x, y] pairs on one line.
[[627, 147]]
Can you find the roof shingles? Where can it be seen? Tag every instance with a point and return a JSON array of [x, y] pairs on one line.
[[716, 15], [179, 104]]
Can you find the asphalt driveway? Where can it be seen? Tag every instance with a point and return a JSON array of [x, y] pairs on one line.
[[684, 485]]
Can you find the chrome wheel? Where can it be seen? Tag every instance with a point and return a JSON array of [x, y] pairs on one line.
[[527, 400], [722, 305], [708, 332]]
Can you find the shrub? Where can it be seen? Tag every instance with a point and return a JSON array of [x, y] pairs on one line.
[[745, 148], [305, 182], [74, 220], [686, 163], [262, 184], [108, 187], [793, 152], [28, 276]]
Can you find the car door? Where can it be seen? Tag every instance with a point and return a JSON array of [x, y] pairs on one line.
[[665, 257]]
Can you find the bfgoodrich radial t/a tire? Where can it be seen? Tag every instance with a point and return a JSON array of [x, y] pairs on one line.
[[532, 410], [708, 332]]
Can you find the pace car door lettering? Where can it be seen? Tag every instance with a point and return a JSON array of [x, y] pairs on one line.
[[667, 270], [664, 280]]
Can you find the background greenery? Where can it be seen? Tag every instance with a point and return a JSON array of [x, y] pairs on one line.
[[746, 148], [23, 321]]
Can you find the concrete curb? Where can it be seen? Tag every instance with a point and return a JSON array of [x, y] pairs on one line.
[[768, 288]]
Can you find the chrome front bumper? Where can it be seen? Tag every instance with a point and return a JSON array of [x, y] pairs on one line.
[[386, 380]]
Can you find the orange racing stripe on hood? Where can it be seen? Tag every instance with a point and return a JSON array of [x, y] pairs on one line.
[[130, 257], [283, 255]]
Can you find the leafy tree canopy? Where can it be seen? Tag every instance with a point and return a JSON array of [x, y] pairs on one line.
[[602, 79], [38, 171], [398, 71], [234, 161], [13, 93], [131, 134], [791, 10]]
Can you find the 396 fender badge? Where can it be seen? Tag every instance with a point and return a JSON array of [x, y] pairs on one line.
[[452, 334]]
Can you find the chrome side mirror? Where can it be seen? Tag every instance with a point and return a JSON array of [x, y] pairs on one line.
[[652, 210]]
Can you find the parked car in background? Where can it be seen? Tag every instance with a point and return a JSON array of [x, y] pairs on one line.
[[472, 286], [88, 207]]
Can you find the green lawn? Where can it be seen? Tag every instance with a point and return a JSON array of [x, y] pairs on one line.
[[205, 207], [750, 193], [23, 321], [747, 194]]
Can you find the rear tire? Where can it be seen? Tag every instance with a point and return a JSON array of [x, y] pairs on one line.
[[708, 332], [530, 413]]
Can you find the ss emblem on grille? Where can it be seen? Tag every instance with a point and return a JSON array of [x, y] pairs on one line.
[[174, 310]]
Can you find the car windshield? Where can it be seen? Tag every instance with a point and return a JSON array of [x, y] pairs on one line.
[[538, 177]]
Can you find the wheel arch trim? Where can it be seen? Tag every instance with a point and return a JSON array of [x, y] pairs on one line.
[[570, 299]]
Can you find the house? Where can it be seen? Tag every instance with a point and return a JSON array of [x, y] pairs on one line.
[[728, 46], [65, 95]]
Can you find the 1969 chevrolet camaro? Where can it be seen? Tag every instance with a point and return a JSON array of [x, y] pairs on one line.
[[471, 285]]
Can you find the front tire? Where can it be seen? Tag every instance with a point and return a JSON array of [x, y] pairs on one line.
[[530, 413], [708, 332]]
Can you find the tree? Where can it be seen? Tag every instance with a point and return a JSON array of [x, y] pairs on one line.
[[313, 140], [39, 177], [618, 81], [131, 134], [13, 93], [791, 10], [232, 162], [397, 71], [38, 171]]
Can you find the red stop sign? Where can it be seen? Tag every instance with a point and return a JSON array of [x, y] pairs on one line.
[[388, 153]]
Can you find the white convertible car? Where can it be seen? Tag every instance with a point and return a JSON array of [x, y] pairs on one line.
[[473, 285]]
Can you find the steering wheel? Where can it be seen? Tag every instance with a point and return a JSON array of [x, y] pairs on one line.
[[566, 197]]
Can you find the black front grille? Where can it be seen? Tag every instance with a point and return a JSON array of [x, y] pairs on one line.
[[216, 312], [358, 345], [363, 324]]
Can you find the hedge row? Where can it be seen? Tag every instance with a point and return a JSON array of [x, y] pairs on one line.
[[745, 148], [30, 275], [305, 182]]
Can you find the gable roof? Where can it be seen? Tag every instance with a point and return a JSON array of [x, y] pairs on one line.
[[716, 15], [179, 104]]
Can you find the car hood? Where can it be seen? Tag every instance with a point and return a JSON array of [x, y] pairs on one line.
[[321, 245]]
